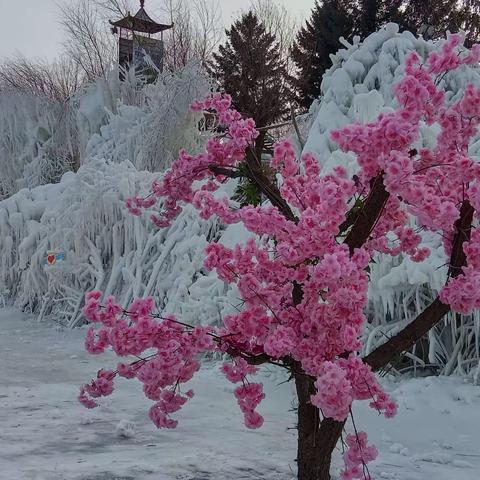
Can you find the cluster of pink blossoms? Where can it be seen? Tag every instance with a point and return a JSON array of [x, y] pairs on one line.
[[248, 395], [339, 383], [357, 455], [321, 331], [172, 361], [176, 186]]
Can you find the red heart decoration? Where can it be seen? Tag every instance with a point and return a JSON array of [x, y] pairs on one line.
[[51, 259]]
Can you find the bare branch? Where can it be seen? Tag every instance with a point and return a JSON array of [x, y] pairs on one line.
[[88, 42], [280, 22], [196, 33], [58, 80]]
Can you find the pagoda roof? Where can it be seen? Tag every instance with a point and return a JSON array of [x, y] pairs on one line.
[[141, 22]]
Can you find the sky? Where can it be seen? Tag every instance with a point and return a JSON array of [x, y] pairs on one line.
[[31, 27]]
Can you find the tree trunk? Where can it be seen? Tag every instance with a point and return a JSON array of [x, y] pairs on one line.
[[316, 440]]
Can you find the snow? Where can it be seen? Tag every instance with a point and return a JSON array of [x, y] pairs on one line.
[[47, 435], [125, 429]]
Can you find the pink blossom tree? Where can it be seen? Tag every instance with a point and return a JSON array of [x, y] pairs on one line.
[[304, 277]]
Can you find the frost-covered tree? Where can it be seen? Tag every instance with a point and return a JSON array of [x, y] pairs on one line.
[[332, 19], [146, 124], [319, 37], [303, 275], [38, 140]]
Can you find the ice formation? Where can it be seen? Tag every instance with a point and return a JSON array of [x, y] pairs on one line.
[[37, 141], [42, 138], [122, 129], [105, 247], [126, 128]]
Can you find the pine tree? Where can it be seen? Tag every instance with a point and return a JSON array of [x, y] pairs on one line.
[[437, 17], [249, 67], [373, 14], [315, 42]]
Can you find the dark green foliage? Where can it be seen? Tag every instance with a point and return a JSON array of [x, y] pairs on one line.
[[249, 67], [247, 193], [331, 19], [442, 16], [372, 14]]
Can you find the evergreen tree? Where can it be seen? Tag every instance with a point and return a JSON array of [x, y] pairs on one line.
[[373, 14], [433, 19], [249, 67], [315, 42]]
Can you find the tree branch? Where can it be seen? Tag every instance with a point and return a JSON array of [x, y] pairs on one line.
[[268, 188], [414, 331], [364, 221], [226, 172]]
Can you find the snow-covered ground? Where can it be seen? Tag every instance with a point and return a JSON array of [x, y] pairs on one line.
[[46, 435]]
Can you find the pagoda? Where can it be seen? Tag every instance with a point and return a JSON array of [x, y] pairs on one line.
[[138, 37]]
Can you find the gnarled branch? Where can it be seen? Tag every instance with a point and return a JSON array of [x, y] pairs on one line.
[[415, 330]]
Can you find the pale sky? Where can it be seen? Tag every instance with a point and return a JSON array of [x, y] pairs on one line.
[[31, 27]]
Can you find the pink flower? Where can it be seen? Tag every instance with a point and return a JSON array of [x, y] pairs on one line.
[[358, 454], [96, 341], [238, 370], [160, 418], [334, 392], [281, 342]]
